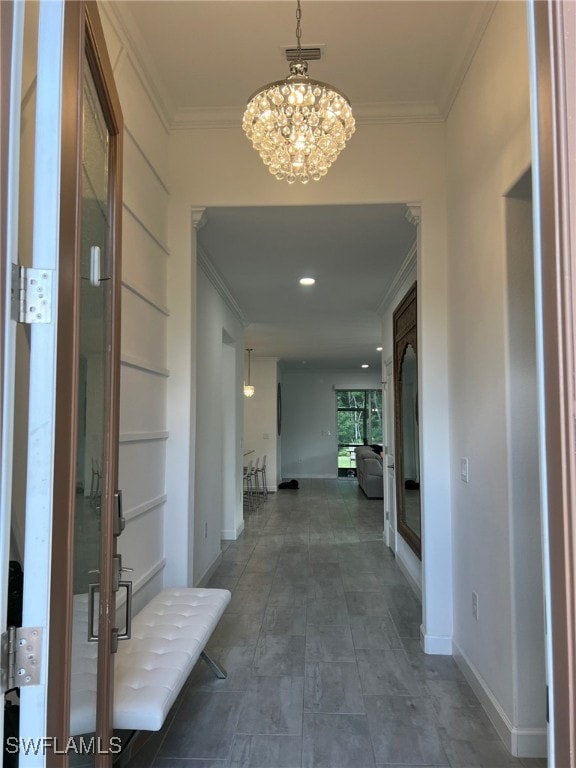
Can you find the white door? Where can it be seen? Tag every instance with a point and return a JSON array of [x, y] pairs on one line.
[[389, 476], [41, 339], [11, 30]]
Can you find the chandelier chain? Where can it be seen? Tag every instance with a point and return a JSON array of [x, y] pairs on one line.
[[298, 125], [299, 29]]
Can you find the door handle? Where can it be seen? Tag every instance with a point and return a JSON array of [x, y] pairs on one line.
[[119, 519], [92, 590], [390, 466], [127, 634]]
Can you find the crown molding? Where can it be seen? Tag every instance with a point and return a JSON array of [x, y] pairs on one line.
[[463, 58], [413, 213], [407, 266], [212, 273], [198, 218], [204, 118]]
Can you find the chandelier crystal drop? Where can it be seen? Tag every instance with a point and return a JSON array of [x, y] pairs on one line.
[[298, 125]]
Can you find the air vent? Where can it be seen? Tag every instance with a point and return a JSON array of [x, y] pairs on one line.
[[311, 53]]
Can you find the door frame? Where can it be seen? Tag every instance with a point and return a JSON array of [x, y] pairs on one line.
[[82, 32], [552, 27]]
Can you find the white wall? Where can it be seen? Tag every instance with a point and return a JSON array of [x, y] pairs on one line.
[[495, 526], [309, 426], [260, 424], [144, 372], [218, 425]]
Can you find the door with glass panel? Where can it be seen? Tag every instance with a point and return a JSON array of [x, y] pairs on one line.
[[359, 421], [94, 366], [85, 571]]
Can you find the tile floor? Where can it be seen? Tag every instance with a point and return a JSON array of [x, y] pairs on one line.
[[321, 644]]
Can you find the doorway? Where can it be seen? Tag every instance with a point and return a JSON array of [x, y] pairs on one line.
[[359, 422]]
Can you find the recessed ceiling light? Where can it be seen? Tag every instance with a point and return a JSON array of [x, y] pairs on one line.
[[365, 365], [307, 281], [378, 349]]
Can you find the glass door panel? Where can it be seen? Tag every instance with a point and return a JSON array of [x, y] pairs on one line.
[[93, 399], [359, 422]]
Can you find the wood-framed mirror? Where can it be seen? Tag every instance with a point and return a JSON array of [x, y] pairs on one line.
[[406, 421]]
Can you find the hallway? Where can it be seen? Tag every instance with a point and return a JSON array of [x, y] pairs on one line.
[[321, 644]]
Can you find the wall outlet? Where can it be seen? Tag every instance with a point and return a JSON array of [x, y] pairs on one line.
[[206, 529], [475, 605], [464, 470]]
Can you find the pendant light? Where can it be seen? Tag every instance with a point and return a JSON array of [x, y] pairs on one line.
[[298, 125], [248, 388]]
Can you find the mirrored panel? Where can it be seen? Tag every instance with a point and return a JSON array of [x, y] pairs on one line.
[[407, 421]]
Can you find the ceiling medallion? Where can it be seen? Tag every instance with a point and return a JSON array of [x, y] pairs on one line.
[[298, 125]]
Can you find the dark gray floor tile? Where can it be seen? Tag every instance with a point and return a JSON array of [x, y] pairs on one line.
[[238, 663], [367, 604], [178, 762], [248, 600], [325, 588], [428, 667], [387, 673], [328, 612], [336, 741], [272, 705], [285, 621], [258, 580], [219, 581], [333, 688], [459, 712], [480, 754], [289, 573], [285, 593], [373, 633], [366, 582], [405, 610], [329, 643], [204, 726], [280, 655], [236, 629], [403, 730], [266, 752], [534, 762]]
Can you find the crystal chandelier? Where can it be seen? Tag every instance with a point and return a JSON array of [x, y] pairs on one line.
[[298, 125], [248, 388]]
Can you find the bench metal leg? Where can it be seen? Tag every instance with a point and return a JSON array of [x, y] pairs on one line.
[[219, 671]]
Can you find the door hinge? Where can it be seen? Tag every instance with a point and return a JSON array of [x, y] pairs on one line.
[[21, 657], [31, 294]]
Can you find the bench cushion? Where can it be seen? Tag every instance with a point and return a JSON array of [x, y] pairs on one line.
[[168, 636]]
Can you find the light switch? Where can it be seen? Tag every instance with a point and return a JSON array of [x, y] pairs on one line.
[[464, 470]]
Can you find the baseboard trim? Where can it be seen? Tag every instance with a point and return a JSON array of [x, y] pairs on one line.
[[231, 534], [520, 742], [408, 575], [203, 581], [436, 645]]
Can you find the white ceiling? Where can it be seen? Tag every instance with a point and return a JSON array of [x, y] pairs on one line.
[[396, 61]]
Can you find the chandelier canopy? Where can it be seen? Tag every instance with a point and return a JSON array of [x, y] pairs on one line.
[[298, 125]]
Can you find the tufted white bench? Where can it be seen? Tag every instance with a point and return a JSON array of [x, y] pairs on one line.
[[168, 637]]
